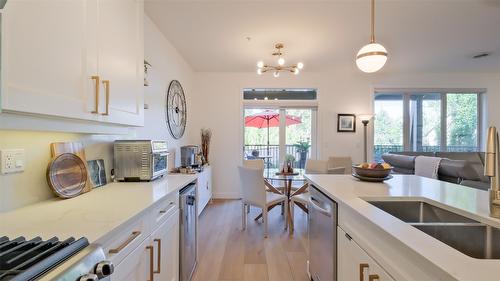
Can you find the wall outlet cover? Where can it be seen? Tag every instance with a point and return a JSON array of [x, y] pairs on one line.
[[11, 161]]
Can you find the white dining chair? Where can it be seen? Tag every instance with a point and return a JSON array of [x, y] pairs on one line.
[[254, 193], [337, 163], [254, 163], [316, 166]]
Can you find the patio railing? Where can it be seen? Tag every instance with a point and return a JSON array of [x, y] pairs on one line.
[[272, 157]]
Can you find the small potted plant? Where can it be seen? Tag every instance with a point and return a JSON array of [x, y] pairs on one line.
[[302, 148]]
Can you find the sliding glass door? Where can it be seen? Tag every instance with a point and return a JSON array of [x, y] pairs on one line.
[[279, 134]]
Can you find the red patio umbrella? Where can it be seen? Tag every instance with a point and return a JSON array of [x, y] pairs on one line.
[[269, 118]]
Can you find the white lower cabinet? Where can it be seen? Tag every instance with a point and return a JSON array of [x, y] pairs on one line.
[[354, 263], [204, 187], [135, 267], [165, 241], [156, 258]]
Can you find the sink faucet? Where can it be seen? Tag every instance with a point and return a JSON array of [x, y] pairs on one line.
[[491, 169]]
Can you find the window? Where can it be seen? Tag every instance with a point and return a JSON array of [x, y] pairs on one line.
[[278, 125], [426, 121], [388, 123]]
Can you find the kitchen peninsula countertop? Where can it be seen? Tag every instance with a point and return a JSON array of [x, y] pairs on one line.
[[350, 194], [91, 215]]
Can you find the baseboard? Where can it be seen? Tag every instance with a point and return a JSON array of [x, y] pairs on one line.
[[226, 195]]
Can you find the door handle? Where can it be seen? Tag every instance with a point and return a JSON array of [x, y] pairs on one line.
[[151, 265], [129, 240], [97, 84], [318, 208], [362, 267], [159, 256], [106, 87]]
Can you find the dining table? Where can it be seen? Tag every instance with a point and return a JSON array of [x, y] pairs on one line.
[[288, 184]]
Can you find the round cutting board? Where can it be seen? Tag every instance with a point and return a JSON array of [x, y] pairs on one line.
[[67, 175]]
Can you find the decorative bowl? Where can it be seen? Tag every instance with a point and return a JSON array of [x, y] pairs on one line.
[[371, 173]]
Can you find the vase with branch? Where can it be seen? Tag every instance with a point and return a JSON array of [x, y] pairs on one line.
[[206, 135]]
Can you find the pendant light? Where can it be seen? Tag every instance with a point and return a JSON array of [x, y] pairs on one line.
[[280, 67], [372, 57]]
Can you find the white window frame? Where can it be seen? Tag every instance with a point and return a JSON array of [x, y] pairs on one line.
[[282, 106], [406, 94]]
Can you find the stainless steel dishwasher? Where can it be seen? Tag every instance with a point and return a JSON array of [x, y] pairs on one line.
[[188, 232], [322, 236]]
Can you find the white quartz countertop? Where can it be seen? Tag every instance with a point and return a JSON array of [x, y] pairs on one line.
[[351, 193], [91, 215]]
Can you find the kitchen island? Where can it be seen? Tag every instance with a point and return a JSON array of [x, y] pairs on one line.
[[391, 249]]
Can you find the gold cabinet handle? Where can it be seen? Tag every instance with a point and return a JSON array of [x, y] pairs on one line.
[[106, 87], [151, 266], [97, 84], [159, 255], [129, 240], [373, 277], [362, 267]]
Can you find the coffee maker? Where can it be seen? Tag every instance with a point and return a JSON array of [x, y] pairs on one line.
[[189, 156]]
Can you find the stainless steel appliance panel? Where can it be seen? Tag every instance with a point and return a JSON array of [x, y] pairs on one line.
[[140, 160], [188, 155], [322, 237], [188, 232]]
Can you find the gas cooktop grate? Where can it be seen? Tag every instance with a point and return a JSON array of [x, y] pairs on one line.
[[22, 259]]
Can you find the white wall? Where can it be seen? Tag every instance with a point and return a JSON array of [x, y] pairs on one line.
[[219, 107], [17, 190]]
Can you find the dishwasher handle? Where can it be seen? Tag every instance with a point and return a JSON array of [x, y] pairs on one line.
[[318, 208]]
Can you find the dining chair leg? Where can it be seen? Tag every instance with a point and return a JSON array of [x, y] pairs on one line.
[[264, 216], [282, 209], [243, 216], [292, 215], [287, 217]]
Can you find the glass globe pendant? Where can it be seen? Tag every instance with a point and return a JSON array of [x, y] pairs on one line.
[[372, 57]]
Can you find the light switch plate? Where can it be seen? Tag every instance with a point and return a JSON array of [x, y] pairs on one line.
[[11, 161]]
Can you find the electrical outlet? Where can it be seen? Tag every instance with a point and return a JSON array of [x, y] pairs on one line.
[[11, 161]]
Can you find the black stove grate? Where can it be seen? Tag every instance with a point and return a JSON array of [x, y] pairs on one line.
[[22, 259]]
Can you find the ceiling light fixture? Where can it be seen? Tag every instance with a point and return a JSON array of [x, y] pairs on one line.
[[262, 67], [372, 57]]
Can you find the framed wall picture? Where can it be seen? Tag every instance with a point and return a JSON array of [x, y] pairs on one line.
[[346, 123]]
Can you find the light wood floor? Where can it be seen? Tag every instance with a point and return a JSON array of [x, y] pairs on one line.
[[226, 253]]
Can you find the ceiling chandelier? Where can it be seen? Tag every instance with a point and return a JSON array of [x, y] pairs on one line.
[[262, 67], [372, 57]]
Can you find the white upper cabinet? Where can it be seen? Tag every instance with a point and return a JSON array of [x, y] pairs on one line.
[[56, 56], [48, 56], [121, 60]]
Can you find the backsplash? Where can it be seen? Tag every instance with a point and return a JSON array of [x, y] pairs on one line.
[[30, 186]]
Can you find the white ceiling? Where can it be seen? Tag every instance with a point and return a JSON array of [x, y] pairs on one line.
[[421, 36]]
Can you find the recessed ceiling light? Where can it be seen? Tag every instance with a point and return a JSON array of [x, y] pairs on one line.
[[480, 55]]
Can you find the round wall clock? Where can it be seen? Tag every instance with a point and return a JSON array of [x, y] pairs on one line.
[[176, 111]]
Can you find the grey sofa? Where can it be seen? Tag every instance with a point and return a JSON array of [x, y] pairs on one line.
[[465, 168]]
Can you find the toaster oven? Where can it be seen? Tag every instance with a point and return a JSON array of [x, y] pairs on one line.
[[140, 160]]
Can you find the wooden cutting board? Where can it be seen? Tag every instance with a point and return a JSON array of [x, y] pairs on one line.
[[67, 175], [58, 148]]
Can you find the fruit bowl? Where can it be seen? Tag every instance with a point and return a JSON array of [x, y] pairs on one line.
[[378, 172]]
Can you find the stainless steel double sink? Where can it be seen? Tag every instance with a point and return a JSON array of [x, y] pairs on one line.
[[475, 239]]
